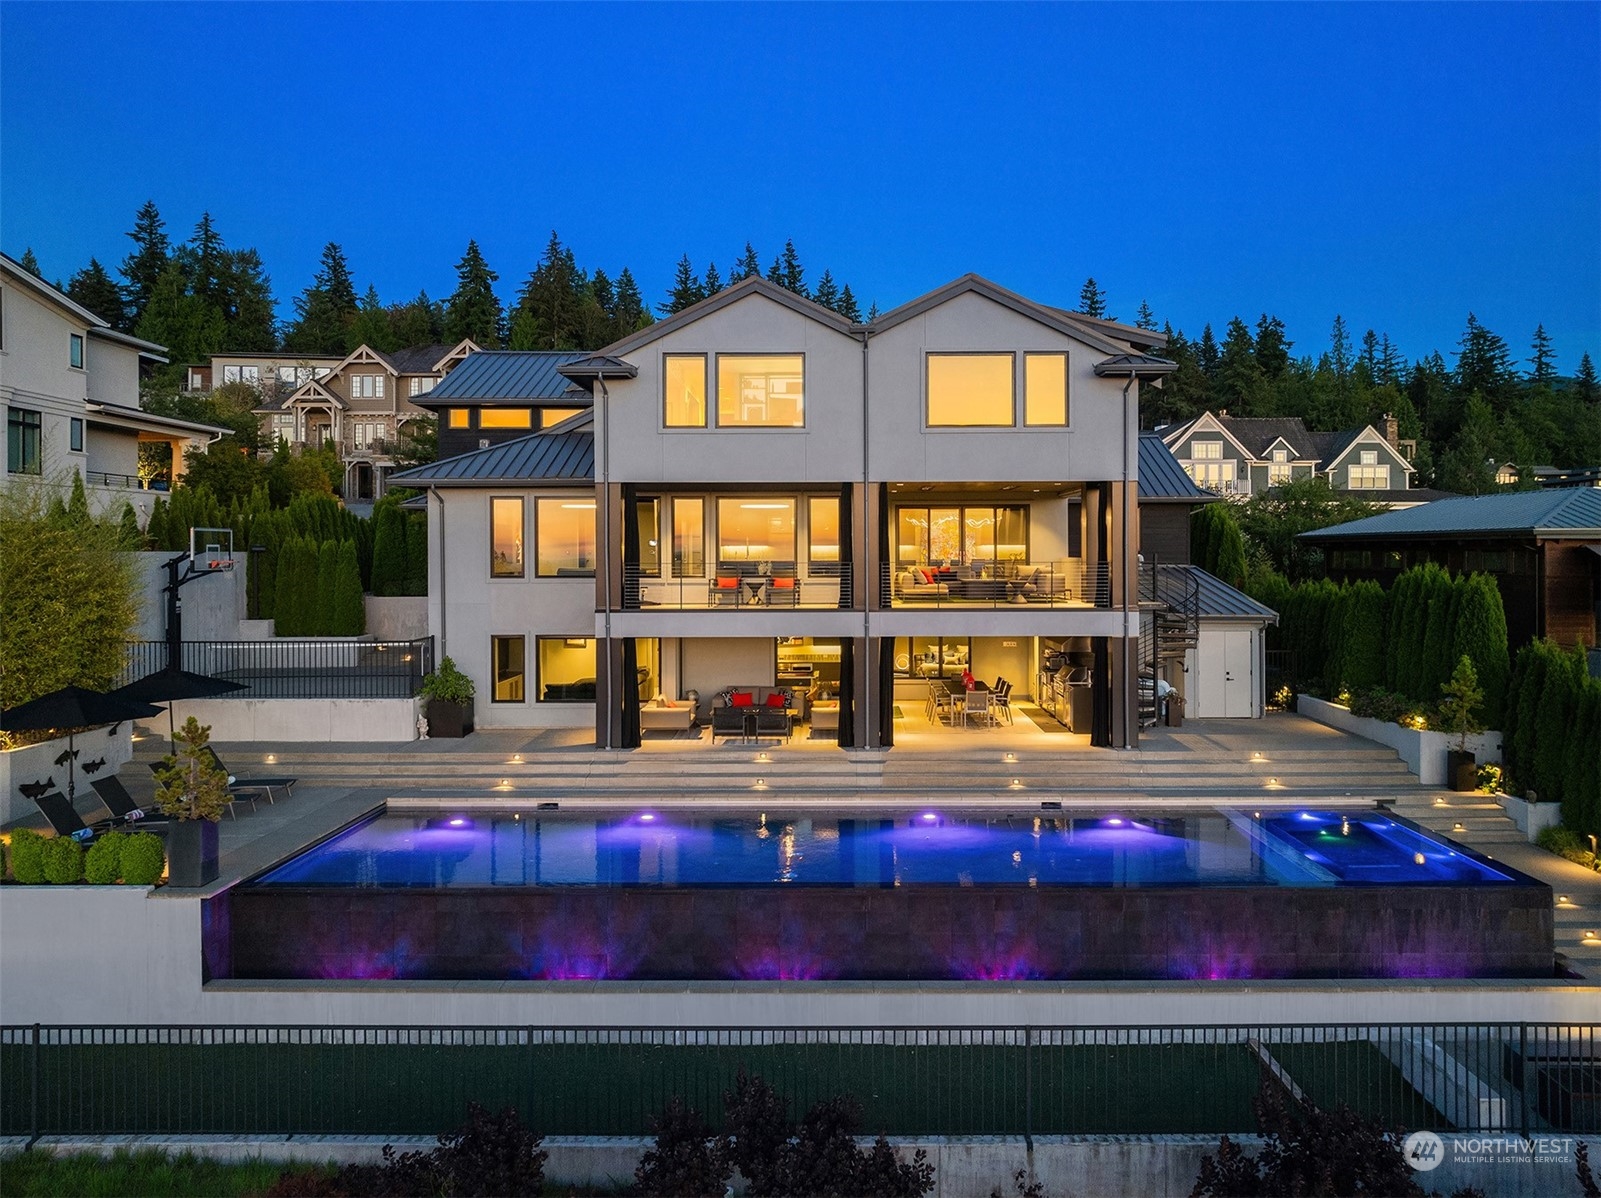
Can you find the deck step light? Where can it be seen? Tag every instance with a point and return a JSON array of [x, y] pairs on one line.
[[1457, 828]]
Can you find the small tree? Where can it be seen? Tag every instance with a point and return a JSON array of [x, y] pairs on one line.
[[327, 583], [416, 556], [349, 613], [388, 549], [1459, 710], [285, 588], [189, 783]]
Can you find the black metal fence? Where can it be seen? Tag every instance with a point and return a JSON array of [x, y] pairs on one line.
[[290, 668], [1521, 1077]]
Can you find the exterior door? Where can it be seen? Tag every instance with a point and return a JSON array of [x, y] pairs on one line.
[[1226, 663]]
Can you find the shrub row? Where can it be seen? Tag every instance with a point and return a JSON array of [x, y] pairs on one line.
[[319, 589], [1552, 730], [136, 860]]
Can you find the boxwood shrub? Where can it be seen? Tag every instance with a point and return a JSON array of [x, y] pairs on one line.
[[27, 856], [103, 864], [142, 859], [63, 861]]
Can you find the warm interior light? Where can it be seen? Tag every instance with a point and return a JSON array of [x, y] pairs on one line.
[[1017, 782], [578, 507], [1562, 898], [759, 507]]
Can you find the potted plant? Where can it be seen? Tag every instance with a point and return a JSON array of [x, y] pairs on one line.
[[1459, 717], [193, 789], [449, 701]]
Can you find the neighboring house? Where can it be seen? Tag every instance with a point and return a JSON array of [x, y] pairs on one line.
[[1543, 548], [272, 374], [358, 403], [765, 494], [69, 384], [1241, 456], [1509, 474], [496, 396]]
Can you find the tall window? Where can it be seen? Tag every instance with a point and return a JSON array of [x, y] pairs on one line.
[[756, 530], [366, 386], [1045, 389], [75, 435], [1278, 469], [1215, 475], [506, 655], [1368, 475], [647, 513], [684, 394], [566, 669], [565, 529], [505, 537], [75, 350], [23, 450], [761, 390], [822, 534], [505, 418], [283, 426], [689, 537], [971, 391], [961, 535]]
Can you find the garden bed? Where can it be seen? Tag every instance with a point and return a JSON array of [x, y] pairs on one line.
[[1423, 751]]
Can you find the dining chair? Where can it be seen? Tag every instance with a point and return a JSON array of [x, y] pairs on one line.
[[975, 705], [1002, 699]]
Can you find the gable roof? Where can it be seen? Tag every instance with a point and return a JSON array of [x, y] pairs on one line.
[[755, 285], [1132, 333], [45, 291], [1162, 479], [1572, 513], [554, 457], [310, 391], [417, 359], [973, 284], [1256, 436], [509, 374]]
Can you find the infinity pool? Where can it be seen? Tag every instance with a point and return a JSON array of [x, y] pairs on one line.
[[911, 895]]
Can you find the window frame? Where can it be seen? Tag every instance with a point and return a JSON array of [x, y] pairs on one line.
[[17, 419], [930, 355], [539, 524], [75, 434], [705, 393], [75, 351], [1067, 389], [522, 522], [817, 567], [495, 677], [961, 510], [714, 397]]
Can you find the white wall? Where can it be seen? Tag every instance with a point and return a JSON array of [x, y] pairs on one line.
[[113, 373], [304, 720], [1423, 752], [35, 763], [397, 617]]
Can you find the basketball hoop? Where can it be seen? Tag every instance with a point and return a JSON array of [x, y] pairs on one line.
[[211, 550]]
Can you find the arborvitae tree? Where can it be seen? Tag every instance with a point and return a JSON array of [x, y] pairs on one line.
[[1481, 636], [713, 282], [685, 290], [848, 307], [389, 549], [30, 263], [1091, 301], [156, 526], [792, 274], [285, 607], [1217, 546], [371, 326], [149, 259], [827, 293], [1362, 659], [416, 555], [77, 512], [1554, 718], [94, 289], [473, 310], [327, 581], [1144, 318], [1438, 634], [128, 528], [249, 308], [349, 613], [1536, 659], [1581, 809]]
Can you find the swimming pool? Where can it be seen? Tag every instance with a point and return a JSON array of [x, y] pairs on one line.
[[897, 895]]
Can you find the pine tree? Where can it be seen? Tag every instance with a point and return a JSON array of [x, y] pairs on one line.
[[747, 266], [1484, 364], [416, 555], [794, 275], [142, 268], [872, 312], [417, 322], [1091, 301], [1272, 346], [31, 264], [713, 282], [349, 612], [205, 260], [327, 308], [1241, 384], [1585, 387], [473, 310], [94, 289], [1206, 355], [1543, 370], [249, 309], [848, 307], [686, 290], [629, 315], [827, 293], [1391, 364], [1145, 318], [549, 310], [1340, 352]]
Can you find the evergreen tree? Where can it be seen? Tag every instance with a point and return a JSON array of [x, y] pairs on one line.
[[128, 528], [249, 310], [1467, 467], [1391, 364], [1241, 385], [389, 549], [1484, 364], [794, 276], [1272, 346], [418, 322], [827, 293], [605, 297], [191, 329], [1362, 663], [713, 282], [1216, 544], [1145, 318], [549, 311], [848, 307], [371, 326], [142, 268], [1481, 636], [1090, 300], [1585, 387], [630, 314], [1206, 355], [872, 312], [1554, 717], [416, 555], [349, 612], [77, 503], [686, 290], [1368, 362], [285, 604], [94, 289], [473, 310], [308, 606], [748, 266], [326, 309], [31, 264], [1543, 370], [1581, 809], [775, 273], [205, 260], [327, 583]]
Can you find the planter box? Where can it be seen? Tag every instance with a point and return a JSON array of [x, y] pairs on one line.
[[1423, 752], [1461, 771], [191, 852], [448, 720], [1531, 818]]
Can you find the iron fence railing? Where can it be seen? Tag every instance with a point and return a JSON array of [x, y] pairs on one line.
[[127, 482], [1518, 1077], [1066, 583], [293, 668], [824, 586]]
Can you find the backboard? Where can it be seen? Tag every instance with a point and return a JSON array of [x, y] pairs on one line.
[[211, 549]]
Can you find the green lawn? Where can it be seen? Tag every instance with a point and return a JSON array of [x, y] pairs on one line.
[[129, 1175]]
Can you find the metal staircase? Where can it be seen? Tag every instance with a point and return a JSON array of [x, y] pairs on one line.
[[1170, 607]]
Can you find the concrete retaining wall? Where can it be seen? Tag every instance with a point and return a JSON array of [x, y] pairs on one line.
[[36, 763], [397, 617], [1423, 752], [213, 604], [305, 720], [1531, 818], [965, 1166]]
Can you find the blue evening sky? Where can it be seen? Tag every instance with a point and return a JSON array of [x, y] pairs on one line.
[[1398, 164]]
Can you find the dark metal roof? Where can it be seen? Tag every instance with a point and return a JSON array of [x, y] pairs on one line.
[[1221, 601], [542, 457], [1561, 513], [1143, 365], [492, 374], [1162, 479], [600, 366], [418, 359]]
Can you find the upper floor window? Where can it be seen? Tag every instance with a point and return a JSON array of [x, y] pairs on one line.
[[459, 418], [684, 394], [75, 351], [505, 418], [553, 416], [506, 537], [294, 375], [1045, 389], [761, 390], [23, 449], [75, 435], [421, 386], [565, 531], [1206, 449], [366, 386], [1368, 457], [241, 374], [971, 391], [1368, 476], [1278, 470]]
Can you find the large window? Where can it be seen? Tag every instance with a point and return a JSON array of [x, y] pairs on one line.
[[822, 534], [506, 655], [689, 538], [648, 513], [75, 350], [1368, 475], [961, 535], [932, 656], [505, 418], [971, 391], [1045, 389], [756, 530], [553, 416], [684, 395], [506, 537], [366, 386], [23, 450], [1206, 449], [761, 390], [566, 537], [1216, 475], [242, 374], [566, 669], [1278, 470]]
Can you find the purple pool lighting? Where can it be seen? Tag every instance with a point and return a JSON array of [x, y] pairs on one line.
[[1115, 822], [458, 822], [930, 816], [647, 816]]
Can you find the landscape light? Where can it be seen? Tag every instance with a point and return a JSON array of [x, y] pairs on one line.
[[646, 816], [458, 822], [1457, 828], [929, 816]]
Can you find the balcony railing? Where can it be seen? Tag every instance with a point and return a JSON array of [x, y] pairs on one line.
[[741, 587], [305, 668], [126, 482], [1066, 583]]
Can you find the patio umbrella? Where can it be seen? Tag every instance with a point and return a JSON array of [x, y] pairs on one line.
[[170, 685], [73, 708]]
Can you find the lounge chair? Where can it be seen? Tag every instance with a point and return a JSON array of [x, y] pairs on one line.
[[267, 784], [57, 808], [120, 803]]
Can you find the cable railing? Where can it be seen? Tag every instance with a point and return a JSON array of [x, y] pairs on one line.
[[743, 586], [1522, 1078], [1067, 583], [296, 668]]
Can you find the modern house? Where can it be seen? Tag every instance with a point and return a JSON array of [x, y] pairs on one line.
[[1543, 548], [358, 403], [70, 387], [758, 494], [495, 396], [1242, 456]]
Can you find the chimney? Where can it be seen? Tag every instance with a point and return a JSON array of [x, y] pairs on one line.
[[1392, 430]]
